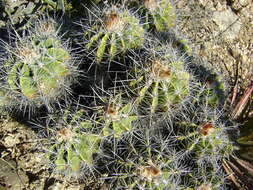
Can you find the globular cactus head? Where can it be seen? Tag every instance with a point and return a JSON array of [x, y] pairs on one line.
[[143, 160], [206, 134], [73, 143], [112, 31], [161, 80], [40, 68]]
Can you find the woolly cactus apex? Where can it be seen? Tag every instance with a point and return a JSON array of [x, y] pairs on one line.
[[39, 70], [112, 32], [162, 84], [117, 117], [45, 27], [74, 144], [164, 172]]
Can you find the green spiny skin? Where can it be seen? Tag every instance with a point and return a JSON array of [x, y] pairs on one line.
[[209, 176], [148, 163], [205, 134], [158, 13], [115, 32], [117, 118], [215, 91], [74, 143], [207, 179], [211, 92], [212, 86], [39, 68], [163, 84]]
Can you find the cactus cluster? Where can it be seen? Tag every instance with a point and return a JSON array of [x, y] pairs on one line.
[[156, 119]]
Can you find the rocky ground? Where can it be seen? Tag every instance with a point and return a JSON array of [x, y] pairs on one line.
[[221, 33]]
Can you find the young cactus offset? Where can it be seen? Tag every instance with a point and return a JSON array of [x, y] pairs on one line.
[[163, 81], [113, 31], [117, 117], [39, 69]]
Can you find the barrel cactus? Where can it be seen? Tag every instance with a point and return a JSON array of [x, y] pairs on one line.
[[116, 31], [73, 144], [161, 80], [39, 69]]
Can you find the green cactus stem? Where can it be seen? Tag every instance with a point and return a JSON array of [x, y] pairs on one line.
[[39, 70], [162, 85], [157, 13], [117, 31], [74, 143], [117, 117]]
